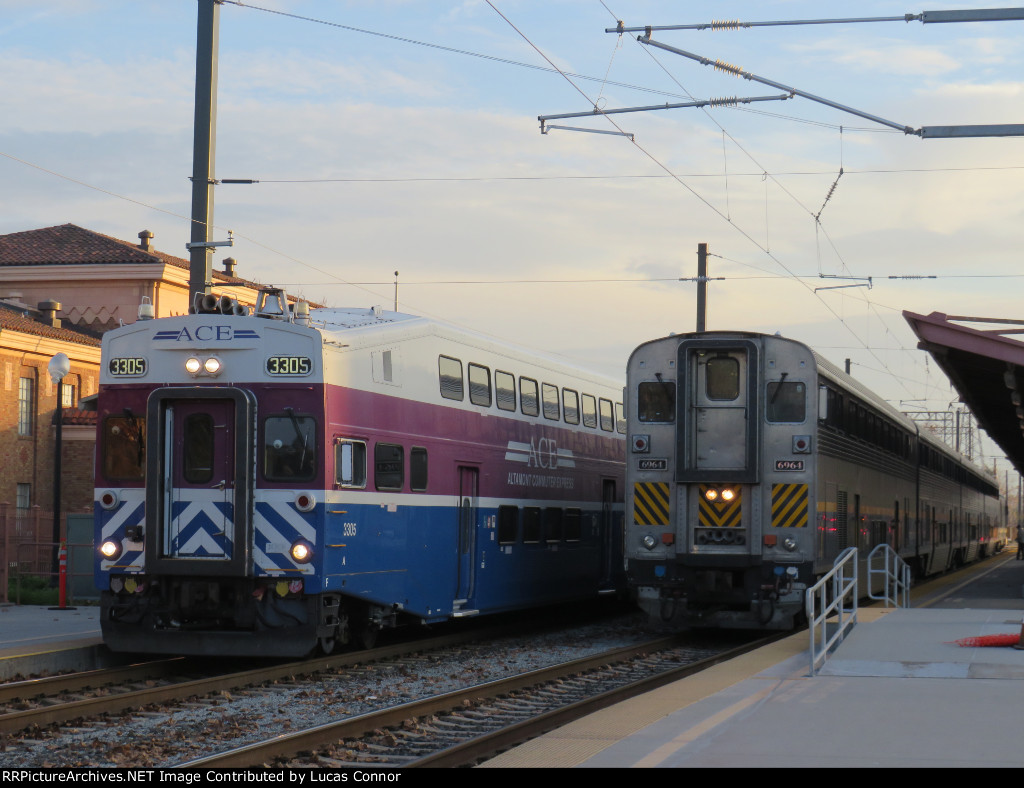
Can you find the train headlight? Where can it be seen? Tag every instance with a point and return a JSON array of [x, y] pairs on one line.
[[789, 543], [728, 495], [649, 542], [302, 552], [212, 365], [110, 549], [711, 494], [193, 365]]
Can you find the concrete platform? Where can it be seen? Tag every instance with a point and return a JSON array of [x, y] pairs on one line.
[[36, 639], [898, 692]]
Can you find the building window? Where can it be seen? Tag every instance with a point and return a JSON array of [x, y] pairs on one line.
[[26, 401], [24, 496]]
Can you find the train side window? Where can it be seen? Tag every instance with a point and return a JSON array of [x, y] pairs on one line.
[[589, 411], [528, 399], [552, 524], [349, 463], [570, 406], [607, 418], [480, 385], [573, 525], [549, 395], [620, 418], [786, 401], [388, 466], [505, 389], [197, 440], [418, 469], [450, 370], [508, 524], [289, 447], [722, 381], [531, 524], [124, 447], [656, 401]]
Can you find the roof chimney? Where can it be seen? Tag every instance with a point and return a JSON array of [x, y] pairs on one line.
[[145, 238], [50, 309], [229, 266]]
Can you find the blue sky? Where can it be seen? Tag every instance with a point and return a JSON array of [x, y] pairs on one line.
[[403, 135]]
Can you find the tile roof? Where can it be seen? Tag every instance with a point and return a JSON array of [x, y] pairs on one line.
[[68, 244], [16, 319]]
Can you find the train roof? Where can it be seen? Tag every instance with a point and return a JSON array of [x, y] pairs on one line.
[[373, 326]]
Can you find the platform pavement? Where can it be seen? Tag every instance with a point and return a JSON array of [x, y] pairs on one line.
[[898, 692], [36, 638]]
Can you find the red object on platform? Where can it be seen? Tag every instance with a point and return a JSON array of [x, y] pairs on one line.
[[990, 640]]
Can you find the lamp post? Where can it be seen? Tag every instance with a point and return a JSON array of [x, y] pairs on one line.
[[58, 367]]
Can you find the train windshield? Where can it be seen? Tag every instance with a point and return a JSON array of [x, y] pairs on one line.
[[656, 401], [124, 447], [787, 401], [289, 447]]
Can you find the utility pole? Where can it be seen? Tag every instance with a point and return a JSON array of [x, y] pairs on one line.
[[204, 144], [702, 287]]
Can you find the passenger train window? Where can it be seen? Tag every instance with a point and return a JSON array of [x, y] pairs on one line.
[[349, 463], [607, 419], [480, 385], [573, 525], [786, 401], [508, 524], [589, 411], [656, 401], [197, 440], [549, 395], [620, 418], [552, 525], [450, 370], [531, 524], [418, 469], [570, 406], [528, 397], [289, 447], [124, 447], [505, 388], [723, 378], [388, 466]]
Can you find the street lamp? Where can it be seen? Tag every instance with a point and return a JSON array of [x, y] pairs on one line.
[[58, 367]]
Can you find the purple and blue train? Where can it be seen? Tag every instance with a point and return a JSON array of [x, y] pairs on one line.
[[269, 483]]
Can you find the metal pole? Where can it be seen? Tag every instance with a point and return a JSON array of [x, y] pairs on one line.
[[203, 147], [702, 287], [56, 480], [396, 291]]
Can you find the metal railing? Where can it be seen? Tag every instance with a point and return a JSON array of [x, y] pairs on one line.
[[883, 562], [831, 606]]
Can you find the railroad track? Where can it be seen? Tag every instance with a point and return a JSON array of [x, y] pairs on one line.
[[460, 728], [36, 703]]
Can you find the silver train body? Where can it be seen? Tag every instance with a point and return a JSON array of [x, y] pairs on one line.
[[753, 462]]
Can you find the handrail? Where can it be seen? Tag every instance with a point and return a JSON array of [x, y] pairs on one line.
[[895, 573], [831, 604]]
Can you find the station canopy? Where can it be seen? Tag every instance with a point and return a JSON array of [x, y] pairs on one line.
[[986, 366]]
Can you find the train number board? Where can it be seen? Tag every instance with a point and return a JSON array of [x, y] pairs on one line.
[[289, 365]]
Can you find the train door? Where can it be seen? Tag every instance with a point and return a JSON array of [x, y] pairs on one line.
[[607, 532], [469, 479], [718, 425], [199, 479]]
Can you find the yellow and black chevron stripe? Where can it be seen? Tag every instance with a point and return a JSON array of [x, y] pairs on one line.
[[720, 514], [789, 505], [650, 503]]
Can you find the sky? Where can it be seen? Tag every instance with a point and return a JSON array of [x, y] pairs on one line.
[[403, 135]]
